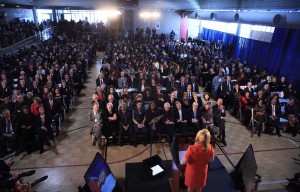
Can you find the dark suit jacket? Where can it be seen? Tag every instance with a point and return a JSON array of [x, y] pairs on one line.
[[55, 107], [277, 110], [226, 89], [218, 114], [3, 125], [132, 83], [251, 91], [47, 124], [195, 87], [191, 115], [185, 114], [124, 119]]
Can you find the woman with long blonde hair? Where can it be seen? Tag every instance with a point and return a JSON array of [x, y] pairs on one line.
[[197, 158]]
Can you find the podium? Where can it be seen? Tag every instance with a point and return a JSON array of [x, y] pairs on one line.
[[178, 150]]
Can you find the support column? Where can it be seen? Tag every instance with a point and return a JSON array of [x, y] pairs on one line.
[[35, 18], [238, 29], [184, 27], [54, 15]]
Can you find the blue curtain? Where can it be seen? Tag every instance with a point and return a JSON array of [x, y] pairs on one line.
[[281, 57]]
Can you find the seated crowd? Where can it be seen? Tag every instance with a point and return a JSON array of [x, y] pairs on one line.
[[149, 87], [141, 80], [37, 89]]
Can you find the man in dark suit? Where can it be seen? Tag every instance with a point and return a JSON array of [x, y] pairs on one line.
[[52, 107], [132, 81], [168, 120], [219, 119], [43, 129], [195, 117], [195, 85], [273, 113], [182, 84], [228, 95], [125, 121], [249, 89], [181, 117], [101, 80], [8, 133], [139, 119], [172, 100]]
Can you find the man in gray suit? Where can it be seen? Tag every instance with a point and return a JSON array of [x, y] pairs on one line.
[[95, 123], [122, 81]]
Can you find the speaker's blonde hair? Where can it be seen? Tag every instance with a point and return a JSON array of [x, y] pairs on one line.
[[203, 138]]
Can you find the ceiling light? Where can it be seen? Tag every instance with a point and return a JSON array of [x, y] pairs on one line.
[[2, 5], [18, 6]]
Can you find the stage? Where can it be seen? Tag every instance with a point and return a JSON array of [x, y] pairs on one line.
[[136, 180]]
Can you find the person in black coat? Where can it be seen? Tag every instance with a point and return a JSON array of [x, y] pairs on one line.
[[8, 128], [292, 113], [169, 122], [139, 120], [26, 126], [273, 114], [195, 117], [219, 119], [228, 96], [52, 107], [125, 122], [181, 117], [43, 129]]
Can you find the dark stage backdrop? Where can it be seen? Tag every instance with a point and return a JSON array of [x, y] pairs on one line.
[[281, 57]]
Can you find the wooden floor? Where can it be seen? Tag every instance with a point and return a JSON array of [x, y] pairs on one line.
[[66, 164]]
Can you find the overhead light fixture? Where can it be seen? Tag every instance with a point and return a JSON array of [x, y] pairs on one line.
[[147, 14], [2, 5], [17, 6]]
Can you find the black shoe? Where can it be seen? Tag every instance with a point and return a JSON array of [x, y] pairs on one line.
[[290, 179], [294, 134], [145, 144], [279, 134], [121, 144], [94, 141], [27, 173], [34, 183], [259, 134], [224, 142], [41, 151], [135, 145]]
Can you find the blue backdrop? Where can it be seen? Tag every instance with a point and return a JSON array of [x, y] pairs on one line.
[[281, 57]]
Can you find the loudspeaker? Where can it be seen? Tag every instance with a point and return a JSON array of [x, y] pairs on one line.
[[153, 166], [183, 14], [213, 16], [245, 171]]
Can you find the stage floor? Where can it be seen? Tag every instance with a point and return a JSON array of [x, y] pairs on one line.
[[136, 180]]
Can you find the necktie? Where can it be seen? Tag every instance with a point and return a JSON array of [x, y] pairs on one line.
[[273, 109], [51, 104], [8, 127], [125, 120], [101, 81], [229, 87], [189, 95]]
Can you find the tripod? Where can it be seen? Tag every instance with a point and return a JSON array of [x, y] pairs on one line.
[[151, 142]]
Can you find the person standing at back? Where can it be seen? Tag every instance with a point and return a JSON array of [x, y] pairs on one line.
[[197, 158]]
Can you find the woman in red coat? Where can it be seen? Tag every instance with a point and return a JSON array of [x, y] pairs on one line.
[[197, 158]]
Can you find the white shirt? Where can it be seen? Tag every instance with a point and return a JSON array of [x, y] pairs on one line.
[[180, 114]]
